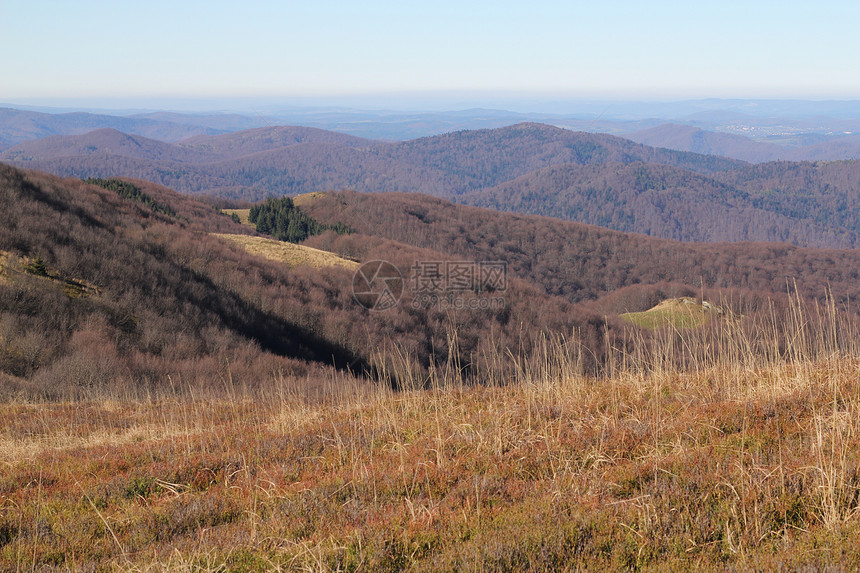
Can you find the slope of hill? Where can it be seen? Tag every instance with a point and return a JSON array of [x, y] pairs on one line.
[[248, 142], [737, 463], [684, 312], [582, 262], [689, 138], [126, 297], [487, 157], [824, 193], [288, 253], [662, 201], [102, 144], [162, 295]]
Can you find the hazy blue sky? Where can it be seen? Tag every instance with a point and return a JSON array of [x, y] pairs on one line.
[[607, 48]]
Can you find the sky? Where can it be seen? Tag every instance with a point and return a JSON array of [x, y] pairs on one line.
[[94, 49]]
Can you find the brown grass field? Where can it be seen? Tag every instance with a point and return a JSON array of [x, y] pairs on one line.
[[288, 253], [747, 457]]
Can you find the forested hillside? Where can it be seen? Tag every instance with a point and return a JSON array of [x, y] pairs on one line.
[[125, 285], [100, 290], [256, 163], [205, 390], [582, 262], [673, 203]]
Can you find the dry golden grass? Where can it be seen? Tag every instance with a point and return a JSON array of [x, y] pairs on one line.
[[740, 460], [307, 198], [242, 214], [4, 263], [288, 253]]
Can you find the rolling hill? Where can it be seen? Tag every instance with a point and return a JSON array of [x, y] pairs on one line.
[[813, 147], [665, 201], [125, 295], [583, 262], [159, 293], [105, 144], [291, 160], [248, 142], [19, 126]]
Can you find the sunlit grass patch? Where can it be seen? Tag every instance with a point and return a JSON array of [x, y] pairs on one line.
[[677, 312], [289, 253], [242, 214], [308, 198]]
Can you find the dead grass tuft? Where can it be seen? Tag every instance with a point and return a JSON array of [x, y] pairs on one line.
[[4, 272]]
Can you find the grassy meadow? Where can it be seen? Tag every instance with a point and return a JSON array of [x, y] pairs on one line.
[[291, 254], [682, 312], [744, 455]]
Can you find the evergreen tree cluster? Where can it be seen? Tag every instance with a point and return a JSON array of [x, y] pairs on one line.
[[129, 191], [282, 220]]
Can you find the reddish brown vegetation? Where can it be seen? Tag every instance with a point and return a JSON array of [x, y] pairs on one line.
[[288, 160], [526, 168], [673, 203], [582, 263], [159, 298], [174, 302]]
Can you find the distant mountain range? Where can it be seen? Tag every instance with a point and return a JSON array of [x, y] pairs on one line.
[[785, 124], [17, 126], [288, 160], [526, 168], [689, 138]]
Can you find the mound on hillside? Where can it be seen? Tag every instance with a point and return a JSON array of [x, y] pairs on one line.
[[685, 312]]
